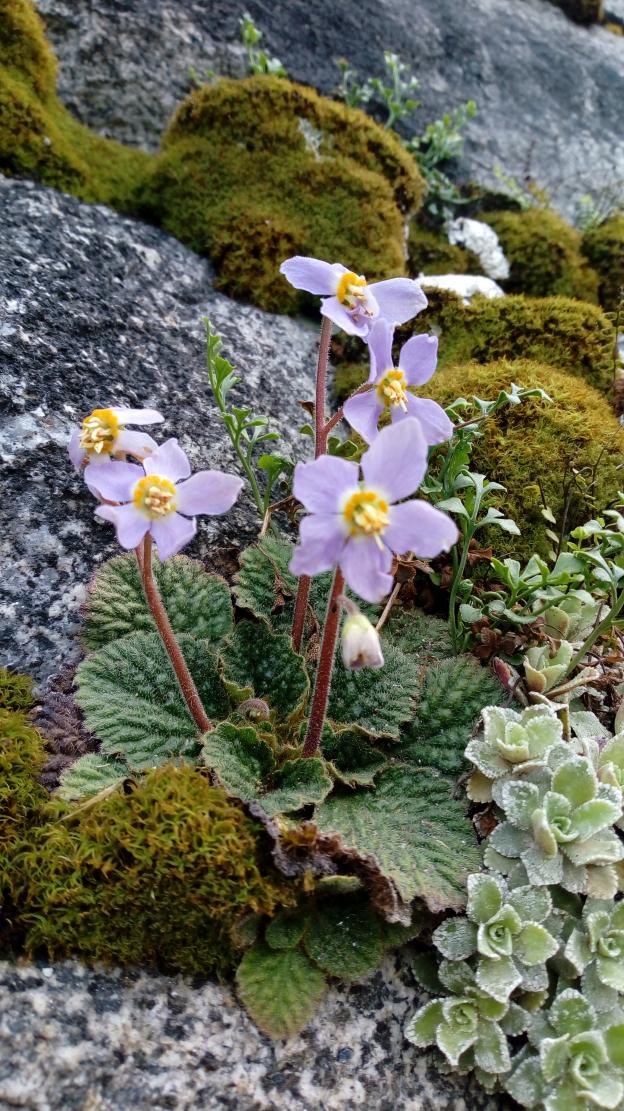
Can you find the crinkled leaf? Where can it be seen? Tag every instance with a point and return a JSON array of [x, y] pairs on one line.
[[453, 695], [419, 635], [91, 774], [265, 586], [416, 831], [376, 701], [354, 759], [131, 699], [516, 1021], [520, 800], [253, 656], [196, 602], [297, 783], [571, 1014], [345, 938], [456, 938], [280, 989], [453, 1040], [507, 840], [240, 759]]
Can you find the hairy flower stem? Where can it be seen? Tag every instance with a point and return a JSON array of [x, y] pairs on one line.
[[320, 697], [185, 679], [320, 447]]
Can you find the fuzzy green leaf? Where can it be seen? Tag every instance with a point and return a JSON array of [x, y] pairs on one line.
[[280, 989], [297, 783], [422, 1027], [354, 760], [456, 938], [485, 897], [255, 657], [132, 702], [91, 774], [491, 1052], [498, 977], [266, 588], [376, 701], [418, 635], [453, 694], [345, 938], [196, 602], [417, 832], [285, 930], [241, 760]]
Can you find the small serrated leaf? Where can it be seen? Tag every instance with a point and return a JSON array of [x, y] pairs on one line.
[[264, 585], [418, 834], [280, 989], [376, 701], [286, 930], [345, 938], [197, 602], [240, 759], [417, 634], [91, 774], [253, 656], [131, 699], [355, 762], [297, 783]]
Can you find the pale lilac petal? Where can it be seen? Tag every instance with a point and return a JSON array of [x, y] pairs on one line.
[[312, 274], [435, 424], [419, 527], [365, 567], [131, 525], [363, 412], [396, 461], [77, 454], [168, 461], [344, 318], [208, 492], [379, 341], [172, 533], [399, 299], [139, 444], [137, 416], [321, 485], [112, 481], [322, 538], [418, 359]]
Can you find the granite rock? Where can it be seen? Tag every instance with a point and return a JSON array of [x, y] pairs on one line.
[[79, 1039], [97, 309], [549, 91]]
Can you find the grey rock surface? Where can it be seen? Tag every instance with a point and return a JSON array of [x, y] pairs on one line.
[[78, 1039], [549, 92], [97, 309]]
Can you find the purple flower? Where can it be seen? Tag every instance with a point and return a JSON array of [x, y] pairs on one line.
[[356, 524], [350, 302], [103, 434], [159, 497], [417, 363]]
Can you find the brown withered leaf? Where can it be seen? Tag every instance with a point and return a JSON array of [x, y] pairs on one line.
[[61, 724]]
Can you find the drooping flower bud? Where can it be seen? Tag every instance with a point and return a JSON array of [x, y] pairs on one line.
[[360, 643]]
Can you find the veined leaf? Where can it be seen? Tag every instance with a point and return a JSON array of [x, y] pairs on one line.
[[197, 602], [377, 702], [280, 988], [91, 774], [255, 657]]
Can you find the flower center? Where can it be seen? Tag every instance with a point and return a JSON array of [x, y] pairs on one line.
[[392, 390], [99, 432], [154, 496], [351, 290], [366, 514]]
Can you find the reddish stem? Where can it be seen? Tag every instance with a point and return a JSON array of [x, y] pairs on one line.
[[185, 679], [320, 447], [318, 708], [337, 417]]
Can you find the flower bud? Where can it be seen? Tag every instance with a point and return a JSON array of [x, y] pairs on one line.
[[360, 643]]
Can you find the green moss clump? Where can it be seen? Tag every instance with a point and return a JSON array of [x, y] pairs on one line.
[[533, 448], [15, 691], [161, 874], [39, 138], [544, 255], [254, 170], [604, 248], [431, 253], [571, 335]]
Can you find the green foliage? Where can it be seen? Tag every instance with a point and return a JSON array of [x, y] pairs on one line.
[[354, 761], [91, 774], [509, 744], [345, 937], [595, 950], [15, 691], [160, 874], [415, 830], [196, 602], [377, 702], [453, 694], [418, 634], [38, 136], [281, 988], [563, 455], [132, 702], [258, 60], [245, 765], [255, 658], [22, 798], [431, 253], [264, 585], [603, 246], [262, 137], [544, 254]]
